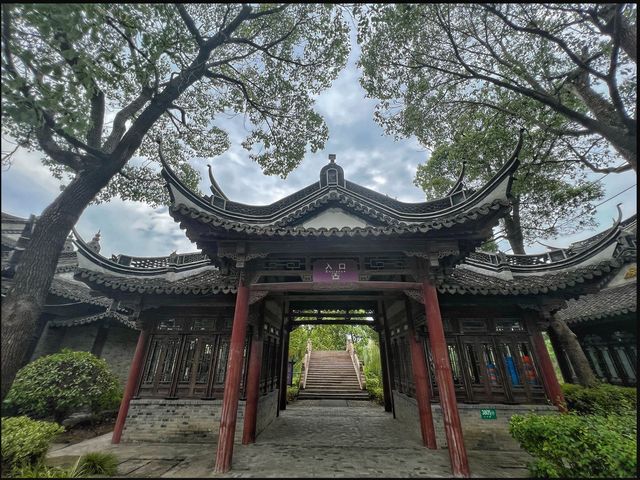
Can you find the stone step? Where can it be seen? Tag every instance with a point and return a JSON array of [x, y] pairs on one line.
[[336, 396], [320, 388], [331, 380]]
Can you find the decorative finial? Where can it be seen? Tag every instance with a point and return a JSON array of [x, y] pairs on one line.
[[95, 243], [332, 158]]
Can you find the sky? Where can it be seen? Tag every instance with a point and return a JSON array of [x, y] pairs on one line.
[[368, 157]]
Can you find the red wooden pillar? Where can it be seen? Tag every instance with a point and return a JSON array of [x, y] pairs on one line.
[[229, 413], [549, 379], [420, 379], [132, 381], [444, 377], [253, 391]]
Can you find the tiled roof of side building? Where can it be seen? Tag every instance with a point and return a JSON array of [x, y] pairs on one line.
[[609, 302], [500, 274]]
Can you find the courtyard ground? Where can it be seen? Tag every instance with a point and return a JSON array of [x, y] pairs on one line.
[[322, 438]]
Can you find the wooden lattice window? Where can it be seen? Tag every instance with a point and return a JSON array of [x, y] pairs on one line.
[[187, 358]]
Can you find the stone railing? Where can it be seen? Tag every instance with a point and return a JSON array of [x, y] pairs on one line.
[[159, 262], [525, 260], [356, 364], [305, 364]]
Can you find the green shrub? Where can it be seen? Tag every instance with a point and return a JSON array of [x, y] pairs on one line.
[[574, 445], [59, 384], [374, 387], [99, 463], [25, 441], [377, 394], [292, 393], [603, 399]]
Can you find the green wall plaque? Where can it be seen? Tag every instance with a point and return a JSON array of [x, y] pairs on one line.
[[488, 413]]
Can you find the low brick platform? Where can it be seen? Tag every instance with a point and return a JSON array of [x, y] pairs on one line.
[[479, 434]]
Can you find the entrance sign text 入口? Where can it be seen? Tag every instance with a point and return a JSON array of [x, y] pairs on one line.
[[332, 270]]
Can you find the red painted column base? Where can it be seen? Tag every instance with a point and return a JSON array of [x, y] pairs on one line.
[[444, 377], [132, 381], [229, 414]]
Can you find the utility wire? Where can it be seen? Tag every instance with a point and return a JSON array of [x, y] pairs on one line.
[[596, 206], [495, 238]]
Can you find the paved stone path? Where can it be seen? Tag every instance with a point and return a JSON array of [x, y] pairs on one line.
[[312, 438]]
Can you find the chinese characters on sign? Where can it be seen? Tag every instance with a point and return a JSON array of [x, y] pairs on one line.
[[335, 271]]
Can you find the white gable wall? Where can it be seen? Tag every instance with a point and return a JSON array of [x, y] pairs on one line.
[[335, 218]]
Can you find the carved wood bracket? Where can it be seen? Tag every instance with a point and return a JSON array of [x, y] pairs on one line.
[[257, 295], [415, 295]]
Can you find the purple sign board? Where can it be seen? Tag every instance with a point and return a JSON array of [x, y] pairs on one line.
[[326, 271]]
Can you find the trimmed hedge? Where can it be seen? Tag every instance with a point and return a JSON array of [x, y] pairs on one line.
[[603, 399], [576, 446], [60, 384], [25, 441]]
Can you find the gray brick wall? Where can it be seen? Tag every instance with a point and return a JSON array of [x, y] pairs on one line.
[[267, 410], [478, 434], [188, 421], [118, 350], [80, 338], [50, 341]]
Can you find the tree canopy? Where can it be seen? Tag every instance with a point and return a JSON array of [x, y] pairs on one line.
[[80, 81], [92, 85], [429, 64]]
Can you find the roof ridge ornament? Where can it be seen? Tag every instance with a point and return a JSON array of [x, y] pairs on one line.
[[215, 188], [459, 185], [94, 244], [617, 221], [332, 174]]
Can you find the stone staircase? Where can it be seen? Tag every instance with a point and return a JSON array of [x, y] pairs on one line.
[[332, 376]]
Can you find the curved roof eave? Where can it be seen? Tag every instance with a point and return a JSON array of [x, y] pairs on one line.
[[391, 210]]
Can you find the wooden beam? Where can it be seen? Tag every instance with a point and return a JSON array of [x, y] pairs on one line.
[[319, 297], [334, 287], [334, 322]]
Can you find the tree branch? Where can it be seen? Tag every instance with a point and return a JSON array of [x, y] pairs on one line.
[[583, 159], [544, 34], [96, 96], [191, 26], [120, 120], [94, 135], [51, 148], [253, 16]]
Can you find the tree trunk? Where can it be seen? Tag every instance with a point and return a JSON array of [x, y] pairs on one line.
[[22, 307], [513, 229], [569, 343]]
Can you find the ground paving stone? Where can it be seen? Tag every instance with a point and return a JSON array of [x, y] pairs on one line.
[[312, 438]]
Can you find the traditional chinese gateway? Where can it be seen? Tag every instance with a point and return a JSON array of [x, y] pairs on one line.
[[457, 328]]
